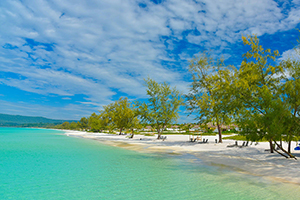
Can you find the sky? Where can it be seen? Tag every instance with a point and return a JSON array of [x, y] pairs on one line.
[[66, 59]]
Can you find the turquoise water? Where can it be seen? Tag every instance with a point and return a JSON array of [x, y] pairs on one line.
[[45, 164]]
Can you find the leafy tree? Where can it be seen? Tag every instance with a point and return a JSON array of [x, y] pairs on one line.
[[135, 123], [210, 91], [162, 107], [106, 118], [120, 114], [94, 122], [124, 116], [73, 126], [83, 123], [65, 125], [291, 97], [258, 89]]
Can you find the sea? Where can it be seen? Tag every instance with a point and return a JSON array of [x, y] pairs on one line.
[[47, 164]]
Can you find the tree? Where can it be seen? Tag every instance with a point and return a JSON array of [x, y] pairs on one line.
[[83, 123], [65, 125], [258, 89], [162, 106], [106, 118], [210, 91], [291, 96], [73, 126], [135, 123], [94, 122], [120, 114], [124, 116]]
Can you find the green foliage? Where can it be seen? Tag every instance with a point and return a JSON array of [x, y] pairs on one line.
[[210, 93], [269, 95], [124, 116], [94, 123], [236, 137], [175, 133], [65, 125], [119, 114], [291, 95], [162, 107], [73, 126], [83, 123], [149, 134]]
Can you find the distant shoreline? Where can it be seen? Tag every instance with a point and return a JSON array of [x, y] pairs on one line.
[[253, 160]]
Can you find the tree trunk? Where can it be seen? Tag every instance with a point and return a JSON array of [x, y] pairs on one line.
[[291, 155], [158, 133], [271, 146], [281, 154], [281, 142], [220, 133], [120, 131], [132, 133], [289, 146]]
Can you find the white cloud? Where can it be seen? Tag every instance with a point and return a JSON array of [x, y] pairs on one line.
[[293, 54], [68, 112], [227, 20], [101, 48]]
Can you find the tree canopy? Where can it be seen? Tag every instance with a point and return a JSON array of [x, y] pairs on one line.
[[266, 92], [210, 90], [162, 106]]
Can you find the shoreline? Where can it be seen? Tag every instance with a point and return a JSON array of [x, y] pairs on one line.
[[252, 160]]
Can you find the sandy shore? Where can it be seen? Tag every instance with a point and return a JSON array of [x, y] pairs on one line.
[[254, 159]]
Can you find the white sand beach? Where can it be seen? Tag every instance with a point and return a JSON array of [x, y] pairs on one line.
[[253, 159]]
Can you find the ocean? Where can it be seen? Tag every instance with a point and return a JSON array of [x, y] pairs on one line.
[[46, 164]]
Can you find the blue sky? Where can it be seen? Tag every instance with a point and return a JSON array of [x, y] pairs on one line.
[[66, 59]]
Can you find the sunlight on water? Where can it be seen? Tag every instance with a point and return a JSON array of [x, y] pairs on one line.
[[45, 164]]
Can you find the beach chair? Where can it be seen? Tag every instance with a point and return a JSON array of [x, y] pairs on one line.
[[297, 148], [245, 144], [163, 138], [129, 136], [233, 145]]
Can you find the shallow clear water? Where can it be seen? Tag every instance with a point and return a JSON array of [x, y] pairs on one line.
[[45, 164]]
